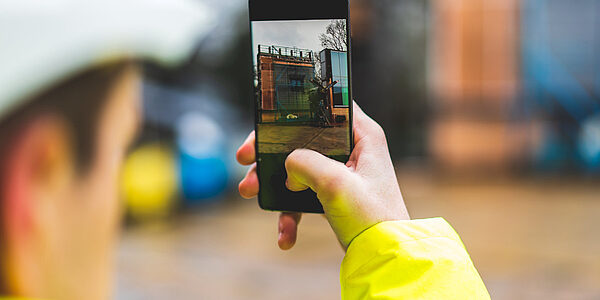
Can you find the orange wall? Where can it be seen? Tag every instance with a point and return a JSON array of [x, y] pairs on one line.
[[474, 52], [473, 80]]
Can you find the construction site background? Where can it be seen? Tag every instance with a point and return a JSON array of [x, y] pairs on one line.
[[490, 108]]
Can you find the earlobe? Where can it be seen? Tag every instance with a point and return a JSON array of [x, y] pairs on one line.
[[36, 166], [36, 162], [15, 204]]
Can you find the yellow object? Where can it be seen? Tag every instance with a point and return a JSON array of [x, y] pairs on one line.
[[149, 181], [414, 259]]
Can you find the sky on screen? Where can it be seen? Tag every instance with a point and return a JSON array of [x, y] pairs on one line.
[[301, 34]]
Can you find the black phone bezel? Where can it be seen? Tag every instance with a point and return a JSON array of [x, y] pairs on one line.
[[272, 10]]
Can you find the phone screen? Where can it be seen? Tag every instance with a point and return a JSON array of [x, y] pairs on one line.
[[303, 100]]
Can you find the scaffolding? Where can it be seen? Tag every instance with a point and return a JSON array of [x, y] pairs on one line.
[[282, 52], [284, 75]]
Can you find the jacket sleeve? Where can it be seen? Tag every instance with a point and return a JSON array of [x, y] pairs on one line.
[[413, 259]]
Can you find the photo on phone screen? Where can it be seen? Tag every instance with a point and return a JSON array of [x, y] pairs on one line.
[[302, 86]]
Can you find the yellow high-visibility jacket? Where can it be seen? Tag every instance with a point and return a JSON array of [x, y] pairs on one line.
[[413, 259]]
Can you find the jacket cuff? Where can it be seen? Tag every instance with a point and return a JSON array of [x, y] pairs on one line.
[[384, 236]]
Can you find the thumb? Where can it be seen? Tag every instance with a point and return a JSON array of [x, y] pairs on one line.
[[310, 169]]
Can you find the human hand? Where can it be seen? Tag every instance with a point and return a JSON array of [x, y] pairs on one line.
[[355, 195]]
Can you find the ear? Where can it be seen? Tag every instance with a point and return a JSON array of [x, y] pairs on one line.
[[38, 165]]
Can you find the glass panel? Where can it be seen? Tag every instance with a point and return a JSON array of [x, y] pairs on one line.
[[339, 66], [291, 91]]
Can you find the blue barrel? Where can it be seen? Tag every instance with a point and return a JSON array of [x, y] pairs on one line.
[[203, 165]]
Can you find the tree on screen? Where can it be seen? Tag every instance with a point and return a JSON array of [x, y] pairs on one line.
[[335, 36]]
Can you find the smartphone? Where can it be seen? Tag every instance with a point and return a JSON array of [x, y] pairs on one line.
[[303, 91]]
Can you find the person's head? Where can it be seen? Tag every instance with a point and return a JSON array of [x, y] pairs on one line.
[[59, 163], [69, 106]]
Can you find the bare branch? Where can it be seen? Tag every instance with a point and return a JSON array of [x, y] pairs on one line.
[[335, 36]]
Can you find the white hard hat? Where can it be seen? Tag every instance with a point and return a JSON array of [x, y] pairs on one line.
[[44, 42]]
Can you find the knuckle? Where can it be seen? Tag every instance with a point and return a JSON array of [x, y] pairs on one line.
[[377, 134], [292, 160], [332, 187], [378, 131]]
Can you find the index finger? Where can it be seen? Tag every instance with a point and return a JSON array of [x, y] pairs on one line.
[[246, 155]]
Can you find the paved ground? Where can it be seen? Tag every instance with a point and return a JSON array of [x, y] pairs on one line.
[[530, 238], [274, 138]]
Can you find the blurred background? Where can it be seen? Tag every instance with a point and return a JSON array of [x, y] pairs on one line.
[[492, 113]]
